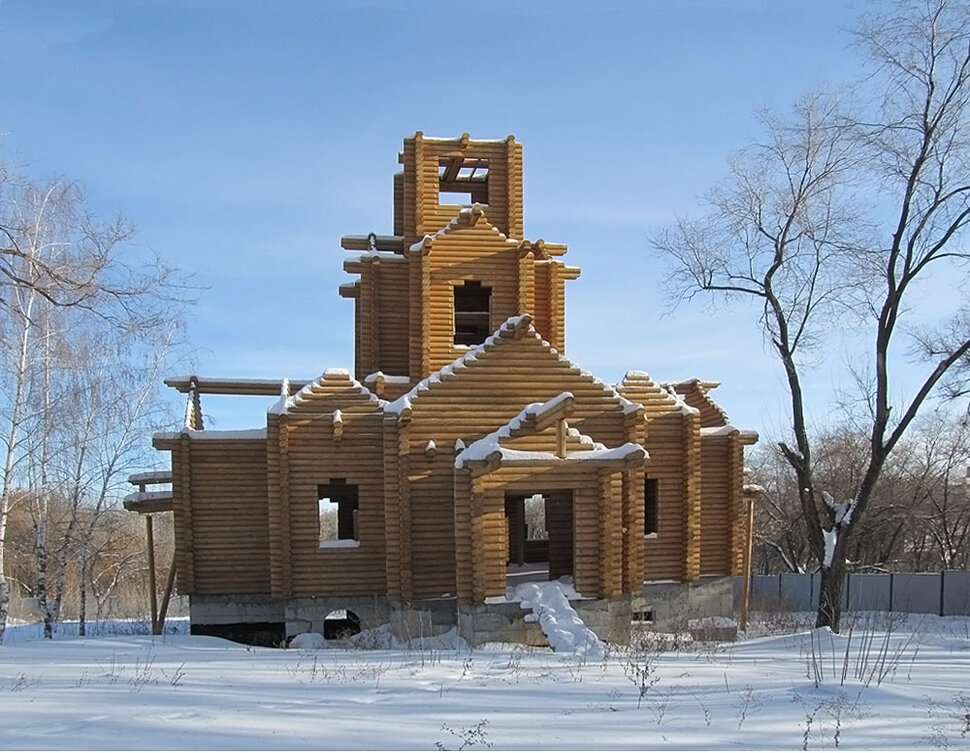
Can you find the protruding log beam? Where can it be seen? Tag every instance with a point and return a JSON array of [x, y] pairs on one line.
[[210, 386], [557, 409], [373, 242], [142, 480]]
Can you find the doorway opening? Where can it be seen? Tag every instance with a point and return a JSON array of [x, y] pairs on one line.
[[540, 527]]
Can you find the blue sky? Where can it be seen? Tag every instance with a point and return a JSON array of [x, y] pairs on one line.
[[244, 138]]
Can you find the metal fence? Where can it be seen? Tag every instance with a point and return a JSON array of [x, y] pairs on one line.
[[944, 593]]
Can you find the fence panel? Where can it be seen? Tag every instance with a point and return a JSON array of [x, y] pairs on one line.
[[921, 593], [956, 592], [797, 592], [916, 593], [871, 592], [765, 593]]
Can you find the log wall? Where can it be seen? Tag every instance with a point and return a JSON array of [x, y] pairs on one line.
[[432, 537], [668, 441], [309, 451], [382, 333], [664, 554], [221, 517], [717, 516], [474, 253]]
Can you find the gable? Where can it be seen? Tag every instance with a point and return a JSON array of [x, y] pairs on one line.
[[472, 223], [488, 386], [694, 392], [335, 396], [657, 400]]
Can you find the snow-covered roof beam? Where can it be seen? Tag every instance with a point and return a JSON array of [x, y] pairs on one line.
[[617, 458], [165, 440], [557, 409], [150, 477], [746, 436], [684, 384], [145, 503], [210, 386], [304, 397]]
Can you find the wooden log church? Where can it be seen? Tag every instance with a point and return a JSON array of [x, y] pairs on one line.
[[465, 454]]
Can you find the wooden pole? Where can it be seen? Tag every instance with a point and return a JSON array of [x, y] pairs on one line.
[[748, 550], [166, 597], [152, 586], [520, 531]]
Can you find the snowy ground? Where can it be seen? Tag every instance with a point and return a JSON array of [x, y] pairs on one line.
[[890, 684]]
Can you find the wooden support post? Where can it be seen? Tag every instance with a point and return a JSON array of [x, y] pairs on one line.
[[152, 586], [748, 549], [521, 530], [166, 597]]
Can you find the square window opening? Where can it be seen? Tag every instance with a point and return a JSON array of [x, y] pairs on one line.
[[462, 181], [644, 617]]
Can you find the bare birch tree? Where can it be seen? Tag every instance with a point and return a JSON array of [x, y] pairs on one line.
[[74, 304], [845, 215]]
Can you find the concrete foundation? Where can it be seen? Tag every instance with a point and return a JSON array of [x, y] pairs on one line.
[[307, 615], [232, 609], [609, 619], [662, 606], [422, 619], [670, 606], [497, 623]]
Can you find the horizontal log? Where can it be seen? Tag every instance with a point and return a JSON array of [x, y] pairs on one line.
[[216, 386]]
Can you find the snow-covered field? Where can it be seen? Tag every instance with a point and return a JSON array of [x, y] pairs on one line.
[[891, 683]]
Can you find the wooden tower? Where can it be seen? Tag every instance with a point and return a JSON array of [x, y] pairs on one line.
[[424, 296]]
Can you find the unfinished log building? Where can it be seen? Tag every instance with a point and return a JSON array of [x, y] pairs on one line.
[[402, 495]]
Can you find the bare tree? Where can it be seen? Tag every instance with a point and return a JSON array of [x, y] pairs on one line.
[[919, 514], [843, 215], [934, 472], [78, 310]]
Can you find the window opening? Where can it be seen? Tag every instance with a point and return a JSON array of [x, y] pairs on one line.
[[472, 313], [650, 511], [644, 617], [337, 512], [462, 181]]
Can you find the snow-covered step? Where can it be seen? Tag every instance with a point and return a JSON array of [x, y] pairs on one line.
[[562, 625]]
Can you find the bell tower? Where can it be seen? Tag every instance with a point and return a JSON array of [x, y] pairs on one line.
[[456, 266], [440, 176]]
